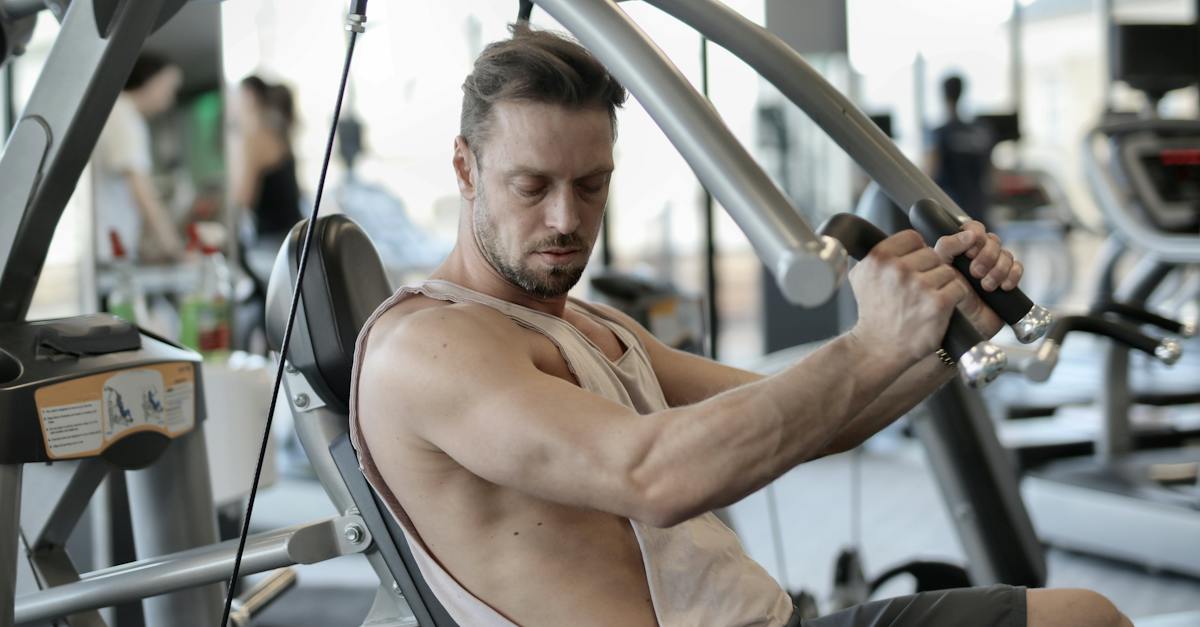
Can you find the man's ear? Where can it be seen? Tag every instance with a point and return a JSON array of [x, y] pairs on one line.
[[464, 168]]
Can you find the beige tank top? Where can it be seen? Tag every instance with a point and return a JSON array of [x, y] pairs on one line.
[[697, 571]]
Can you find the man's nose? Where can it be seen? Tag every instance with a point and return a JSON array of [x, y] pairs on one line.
[[562, 213]]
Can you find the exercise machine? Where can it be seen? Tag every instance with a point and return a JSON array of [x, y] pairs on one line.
[[56, 372], [1149, 190]]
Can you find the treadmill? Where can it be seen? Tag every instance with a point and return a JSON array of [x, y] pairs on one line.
[[1137, 506]]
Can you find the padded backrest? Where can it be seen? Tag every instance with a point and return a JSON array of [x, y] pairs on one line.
[[344, 283]]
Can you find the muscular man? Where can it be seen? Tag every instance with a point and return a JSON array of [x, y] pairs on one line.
[[553, 464]]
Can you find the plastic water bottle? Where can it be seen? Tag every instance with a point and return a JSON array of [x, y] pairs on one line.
[[126, 300], [205, 313]]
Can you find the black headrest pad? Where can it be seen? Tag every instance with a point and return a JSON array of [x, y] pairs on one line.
[[344, 283]]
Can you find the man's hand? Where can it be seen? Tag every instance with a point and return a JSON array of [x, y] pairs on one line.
[[906, 293], [993, 265]]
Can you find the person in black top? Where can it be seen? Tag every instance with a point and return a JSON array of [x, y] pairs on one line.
[[265, 182], [960, 156], [265, 191]]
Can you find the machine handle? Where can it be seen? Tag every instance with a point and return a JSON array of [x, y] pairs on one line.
[[1141, 316], [1028, 320], [1167, 350], [979, 361]]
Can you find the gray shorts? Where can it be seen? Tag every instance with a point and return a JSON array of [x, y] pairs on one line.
[[993, 606]]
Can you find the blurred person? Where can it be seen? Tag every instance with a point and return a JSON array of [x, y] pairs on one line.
[[265, 179], [960, 156], [127, 201]]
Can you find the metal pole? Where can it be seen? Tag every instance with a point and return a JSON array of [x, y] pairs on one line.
[[710, 244], [1016, 61], [1106, 65], [302, 544], [171, 504], [10, 99], [10, 531]]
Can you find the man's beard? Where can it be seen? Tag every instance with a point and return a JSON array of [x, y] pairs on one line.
[[555, 282]]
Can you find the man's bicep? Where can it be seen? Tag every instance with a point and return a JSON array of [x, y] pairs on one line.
[[495, 414]]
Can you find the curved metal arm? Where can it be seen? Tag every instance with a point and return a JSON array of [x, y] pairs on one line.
[[807, 268], [777, 62]]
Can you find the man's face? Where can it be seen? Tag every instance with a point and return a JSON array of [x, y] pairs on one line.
[[542, 180]]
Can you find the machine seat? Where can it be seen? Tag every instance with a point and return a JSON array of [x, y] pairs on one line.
[[344, 283]]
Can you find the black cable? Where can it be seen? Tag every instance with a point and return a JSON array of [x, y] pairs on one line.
[[713, 320], [359, 5]]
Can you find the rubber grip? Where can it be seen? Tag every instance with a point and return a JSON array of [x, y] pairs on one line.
[[1120, 332], [933, 222], [858, 237], [1138, 315]]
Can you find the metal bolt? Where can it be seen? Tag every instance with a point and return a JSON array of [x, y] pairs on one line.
[[396, 587], [354, 533], [301, 400], [289, 368]]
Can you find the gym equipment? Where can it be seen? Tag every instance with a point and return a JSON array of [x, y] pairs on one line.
[[1149, 193], [673, 317], [42, 160], [88, 395]]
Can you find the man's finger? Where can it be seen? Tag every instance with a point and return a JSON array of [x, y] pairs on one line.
[[999, 272], [950, 246], [1014, 276], [986, 258]]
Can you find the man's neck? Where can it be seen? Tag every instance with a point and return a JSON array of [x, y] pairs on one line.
[[466, 266]]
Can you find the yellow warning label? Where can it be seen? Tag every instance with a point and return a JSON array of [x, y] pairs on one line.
[[82, 417]]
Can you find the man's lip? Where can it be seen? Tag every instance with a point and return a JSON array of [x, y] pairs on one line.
[[563, 251]]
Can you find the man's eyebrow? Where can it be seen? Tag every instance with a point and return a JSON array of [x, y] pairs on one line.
[[535, 172]]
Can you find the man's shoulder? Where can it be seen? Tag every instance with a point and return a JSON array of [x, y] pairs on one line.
[[413, 326]]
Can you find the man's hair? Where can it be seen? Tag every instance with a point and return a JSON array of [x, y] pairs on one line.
[[952, 88], [535, 66], [147, 66]]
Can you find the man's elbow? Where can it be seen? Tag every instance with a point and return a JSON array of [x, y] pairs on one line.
[[662, 501]]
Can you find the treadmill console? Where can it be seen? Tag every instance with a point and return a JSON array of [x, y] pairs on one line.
[[1164, 178]]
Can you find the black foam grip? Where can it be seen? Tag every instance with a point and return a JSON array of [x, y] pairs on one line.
[[1118, 331], [1138, 315], [933, 222], [858, 237]]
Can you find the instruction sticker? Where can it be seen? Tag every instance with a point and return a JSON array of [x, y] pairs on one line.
[[84, 417]]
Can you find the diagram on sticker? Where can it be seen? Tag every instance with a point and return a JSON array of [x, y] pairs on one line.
[[133, 398]]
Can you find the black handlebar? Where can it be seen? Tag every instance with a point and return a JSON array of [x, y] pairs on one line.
[[1120, 332], [858, 237], [1140, 316], [933, 222]]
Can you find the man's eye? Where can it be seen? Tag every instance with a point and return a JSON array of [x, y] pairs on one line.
[[530, 192]]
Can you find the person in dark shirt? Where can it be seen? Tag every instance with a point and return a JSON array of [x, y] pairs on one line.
[[960, 155], [266, 181]]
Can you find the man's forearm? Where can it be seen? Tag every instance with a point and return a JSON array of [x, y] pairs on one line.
[[914, 386], [713, 453]]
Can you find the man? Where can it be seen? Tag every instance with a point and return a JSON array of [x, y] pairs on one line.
[[960, 154], [553, 464], [126, 200]]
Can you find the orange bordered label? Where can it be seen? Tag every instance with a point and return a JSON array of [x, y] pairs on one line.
[[83, 417]]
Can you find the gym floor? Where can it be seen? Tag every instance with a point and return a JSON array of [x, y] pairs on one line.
[[903, 517]]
